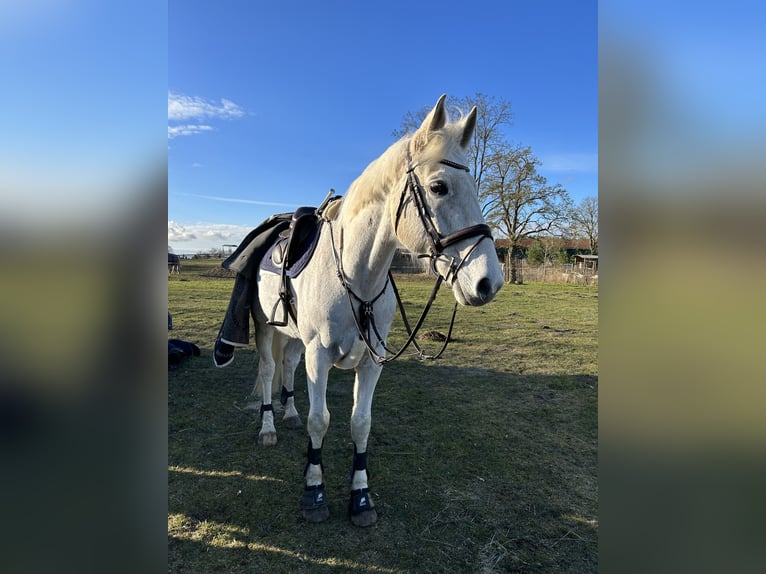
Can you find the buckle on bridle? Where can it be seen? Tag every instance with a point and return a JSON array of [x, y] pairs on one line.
[[451, 262]]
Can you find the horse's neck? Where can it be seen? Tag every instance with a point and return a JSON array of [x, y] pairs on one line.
[[369, 244], [365, 217]]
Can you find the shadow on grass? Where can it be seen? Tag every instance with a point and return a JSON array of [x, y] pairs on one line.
[[470, 470], [188, 555]]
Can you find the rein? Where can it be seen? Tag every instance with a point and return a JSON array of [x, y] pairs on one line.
[[365, 322]]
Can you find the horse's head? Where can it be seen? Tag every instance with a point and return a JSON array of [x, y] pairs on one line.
[[438, 213]]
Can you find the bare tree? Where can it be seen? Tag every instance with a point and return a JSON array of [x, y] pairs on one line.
[[518, 201], [583, 222], [493, 115]]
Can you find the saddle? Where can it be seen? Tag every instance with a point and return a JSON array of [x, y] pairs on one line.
[[295, 245], [292, 251]]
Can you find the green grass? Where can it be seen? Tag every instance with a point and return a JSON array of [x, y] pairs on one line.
[[483, 461]]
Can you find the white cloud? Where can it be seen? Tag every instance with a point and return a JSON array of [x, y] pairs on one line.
[[182, 108], [249, 201], [179, 233], [202, 236], [187, 130]]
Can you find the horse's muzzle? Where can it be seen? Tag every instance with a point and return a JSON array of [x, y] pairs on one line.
[[486, 290]]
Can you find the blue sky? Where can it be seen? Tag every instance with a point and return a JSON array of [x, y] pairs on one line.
[[271, 104], [82, 110]]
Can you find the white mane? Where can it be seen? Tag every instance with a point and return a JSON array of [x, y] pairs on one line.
[[386, 172]]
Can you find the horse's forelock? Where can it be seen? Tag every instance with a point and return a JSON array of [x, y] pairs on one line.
[[440, 145]]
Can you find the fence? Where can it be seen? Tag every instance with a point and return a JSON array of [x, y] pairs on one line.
[[405, 262], [563, 273]]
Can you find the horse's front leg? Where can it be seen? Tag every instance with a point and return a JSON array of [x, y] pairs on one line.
[[266, 369], [314, 499], [291, 357], [361, 506]]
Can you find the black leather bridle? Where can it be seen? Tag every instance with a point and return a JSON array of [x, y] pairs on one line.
[[365, 320], [438, 242]]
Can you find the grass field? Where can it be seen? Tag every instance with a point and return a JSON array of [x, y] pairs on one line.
[[483, 461]]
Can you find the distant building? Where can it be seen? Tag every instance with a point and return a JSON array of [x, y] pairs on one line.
[[585, 264], [583, 270]]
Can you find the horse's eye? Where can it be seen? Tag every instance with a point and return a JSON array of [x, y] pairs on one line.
[[438, 187]]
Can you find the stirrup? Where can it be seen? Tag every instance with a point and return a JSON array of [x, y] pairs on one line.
[[285, 316]]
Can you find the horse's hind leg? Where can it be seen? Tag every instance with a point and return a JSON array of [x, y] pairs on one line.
[[266, 367], [291, 353], [253, 401]]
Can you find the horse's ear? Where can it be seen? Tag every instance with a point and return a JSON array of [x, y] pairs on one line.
[[469, 124], [434, 121], [438, 115]]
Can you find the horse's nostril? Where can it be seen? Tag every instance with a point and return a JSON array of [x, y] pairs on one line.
[[484, 289]]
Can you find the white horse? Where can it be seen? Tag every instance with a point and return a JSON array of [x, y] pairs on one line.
[[418, 195]]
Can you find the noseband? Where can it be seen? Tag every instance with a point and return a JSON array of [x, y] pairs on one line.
[[438, 242]]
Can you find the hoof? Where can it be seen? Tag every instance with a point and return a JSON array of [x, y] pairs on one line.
[[362, 509], [267, 439], [364, 519], [293, 422], [314, 504], [317, 514]]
